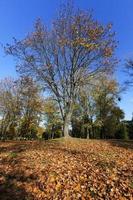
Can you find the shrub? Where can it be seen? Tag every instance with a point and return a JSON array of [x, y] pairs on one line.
[[121, 132]]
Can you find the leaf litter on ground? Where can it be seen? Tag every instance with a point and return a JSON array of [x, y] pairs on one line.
[[67, 169]]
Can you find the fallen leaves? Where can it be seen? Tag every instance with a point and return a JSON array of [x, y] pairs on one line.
[[65, 169]]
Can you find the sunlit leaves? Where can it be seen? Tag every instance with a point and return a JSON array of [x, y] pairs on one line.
[[67, 169], [63, 57]]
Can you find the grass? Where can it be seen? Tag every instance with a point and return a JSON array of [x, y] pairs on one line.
[[12, 155]]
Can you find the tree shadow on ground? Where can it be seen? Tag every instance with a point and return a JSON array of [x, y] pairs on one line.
[[10, 191], [127, 144], [12, 175], [16, 146]]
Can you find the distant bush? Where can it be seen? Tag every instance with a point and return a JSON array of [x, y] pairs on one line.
[[49, 134], [130, 129], [121, 132]]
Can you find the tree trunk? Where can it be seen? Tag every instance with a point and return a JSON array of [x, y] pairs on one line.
[[67, 122], [88, 133]]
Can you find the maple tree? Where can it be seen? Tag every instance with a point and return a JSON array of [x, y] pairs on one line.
[[64, 57]]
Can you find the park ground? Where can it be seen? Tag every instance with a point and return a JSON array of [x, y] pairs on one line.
[[66, 169]]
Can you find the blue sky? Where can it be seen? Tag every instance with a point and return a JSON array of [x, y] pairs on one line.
[[17, 18]]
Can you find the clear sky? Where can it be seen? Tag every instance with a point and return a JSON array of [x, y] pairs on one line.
[[17, 18]]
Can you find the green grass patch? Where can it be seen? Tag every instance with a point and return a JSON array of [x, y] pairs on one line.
[[13, 155]]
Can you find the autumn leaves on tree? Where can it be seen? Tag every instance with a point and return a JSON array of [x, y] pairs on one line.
[[66, 56]]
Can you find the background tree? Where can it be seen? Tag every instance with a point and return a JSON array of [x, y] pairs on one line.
[[31, 106], [129, 125], [105, 95], [114, 125], [52, 119], [84, 112], [10, 107], [129, 70], [64, 57], [20, 107], [97, 114]]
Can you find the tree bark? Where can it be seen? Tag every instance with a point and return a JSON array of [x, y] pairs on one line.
[[67, 122], [88, 133]]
